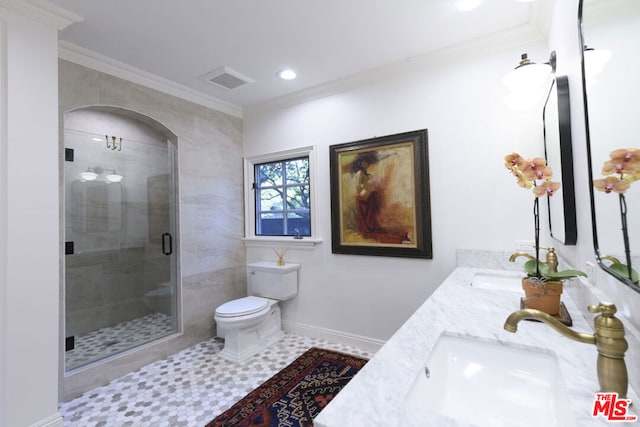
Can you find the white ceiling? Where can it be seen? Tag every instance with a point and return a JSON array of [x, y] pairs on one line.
[[323, 40]]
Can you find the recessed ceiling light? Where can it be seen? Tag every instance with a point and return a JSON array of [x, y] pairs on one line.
[[286, 74], [467, 5]]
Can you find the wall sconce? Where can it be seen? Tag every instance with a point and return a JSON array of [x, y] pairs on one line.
[[92, 174], [114, 177], [527, 74], [88, 175], [526, 82]]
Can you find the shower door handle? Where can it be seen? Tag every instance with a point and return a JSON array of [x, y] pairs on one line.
[[167, 250]]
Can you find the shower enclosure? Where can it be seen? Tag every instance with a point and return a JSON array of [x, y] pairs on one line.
[[120, 233]]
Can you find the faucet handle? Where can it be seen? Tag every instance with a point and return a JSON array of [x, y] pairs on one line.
[[606, 308], [607, 324], [611, 344], [551, 259]]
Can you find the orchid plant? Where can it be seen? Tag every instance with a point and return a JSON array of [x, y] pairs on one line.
[[529, 172], [536, 175], [621, 170]]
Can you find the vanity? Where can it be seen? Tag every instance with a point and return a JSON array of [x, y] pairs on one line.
[[385, 392]]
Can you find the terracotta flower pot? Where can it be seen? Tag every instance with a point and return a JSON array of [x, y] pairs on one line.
[[543, 296]]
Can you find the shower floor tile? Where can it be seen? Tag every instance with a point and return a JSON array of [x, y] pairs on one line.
[[189, 388], [111, 340]]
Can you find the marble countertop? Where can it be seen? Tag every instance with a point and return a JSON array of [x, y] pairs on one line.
[[375, 397]]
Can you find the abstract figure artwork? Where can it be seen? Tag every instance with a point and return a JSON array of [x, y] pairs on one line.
[[380, 196]]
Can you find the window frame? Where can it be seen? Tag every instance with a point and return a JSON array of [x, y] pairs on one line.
[[250, 197]]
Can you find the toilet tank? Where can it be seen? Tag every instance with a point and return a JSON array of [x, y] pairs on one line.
[[269, 280]]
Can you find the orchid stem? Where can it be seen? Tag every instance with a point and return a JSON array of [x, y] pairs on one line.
[[536, 223], [625, 233]]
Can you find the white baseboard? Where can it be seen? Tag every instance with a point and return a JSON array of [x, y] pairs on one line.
[[54, 420], [339, 337]]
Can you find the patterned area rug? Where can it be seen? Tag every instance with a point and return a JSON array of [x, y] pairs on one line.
[[296, 394]]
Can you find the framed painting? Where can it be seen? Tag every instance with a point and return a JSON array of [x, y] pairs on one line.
[[380, 196]]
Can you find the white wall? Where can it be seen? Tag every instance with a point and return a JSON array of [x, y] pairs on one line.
[[29, 243], [476, 204]]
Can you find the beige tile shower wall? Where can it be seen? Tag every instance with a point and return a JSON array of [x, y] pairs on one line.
[[104, 287], [108, 274], [211, 253]]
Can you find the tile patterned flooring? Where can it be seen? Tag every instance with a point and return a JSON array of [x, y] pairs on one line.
[[105, 342], [189, 388]]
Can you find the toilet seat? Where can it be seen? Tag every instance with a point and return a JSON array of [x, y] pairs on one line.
[[242, 307]]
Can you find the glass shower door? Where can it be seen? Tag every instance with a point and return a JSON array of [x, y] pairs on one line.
[[120, 245]]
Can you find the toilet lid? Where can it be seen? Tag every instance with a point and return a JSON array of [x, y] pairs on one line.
[[242, 307]]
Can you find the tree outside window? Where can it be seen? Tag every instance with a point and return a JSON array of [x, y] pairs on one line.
[[282, 198]]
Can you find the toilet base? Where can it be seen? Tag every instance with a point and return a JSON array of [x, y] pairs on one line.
[[242, 343]]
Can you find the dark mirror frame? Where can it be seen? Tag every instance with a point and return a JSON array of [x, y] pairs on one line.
[[568, 194], [594, 228]]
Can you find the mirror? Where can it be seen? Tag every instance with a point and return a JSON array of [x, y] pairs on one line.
[[556, 118], [610, 30]]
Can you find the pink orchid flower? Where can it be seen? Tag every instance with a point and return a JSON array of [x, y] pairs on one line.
[[611, 184], [548, 187]]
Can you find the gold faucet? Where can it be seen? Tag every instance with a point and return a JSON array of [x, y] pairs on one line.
[[551, 259], [515, 255], [611, 258], [609, 340]]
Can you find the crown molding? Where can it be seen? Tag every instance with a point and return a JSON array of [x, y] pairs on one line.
[[517, 36], [87, 58], [43, 12]]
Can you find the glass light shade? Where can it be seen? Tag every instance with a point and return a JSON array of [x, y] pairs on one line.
[[527, 76], [88, 176], [114, 177]]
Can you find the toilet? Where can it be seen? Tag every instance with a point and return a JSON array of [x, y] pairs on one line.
[[249, 325]]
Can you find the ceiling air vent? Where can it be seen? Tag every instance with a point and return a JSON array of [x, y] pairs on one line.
[[227, 78]]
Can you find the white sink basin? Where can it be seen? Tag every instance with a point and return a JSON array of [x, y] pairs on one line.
[[486, 383], [510, 281]]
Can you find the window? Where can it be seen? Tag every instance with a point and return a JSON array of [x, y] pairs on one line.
[[280, 203], [282, 197]]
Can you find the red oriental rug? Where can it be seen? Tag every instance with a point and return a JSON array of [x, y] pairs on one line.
[[296, 394]]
